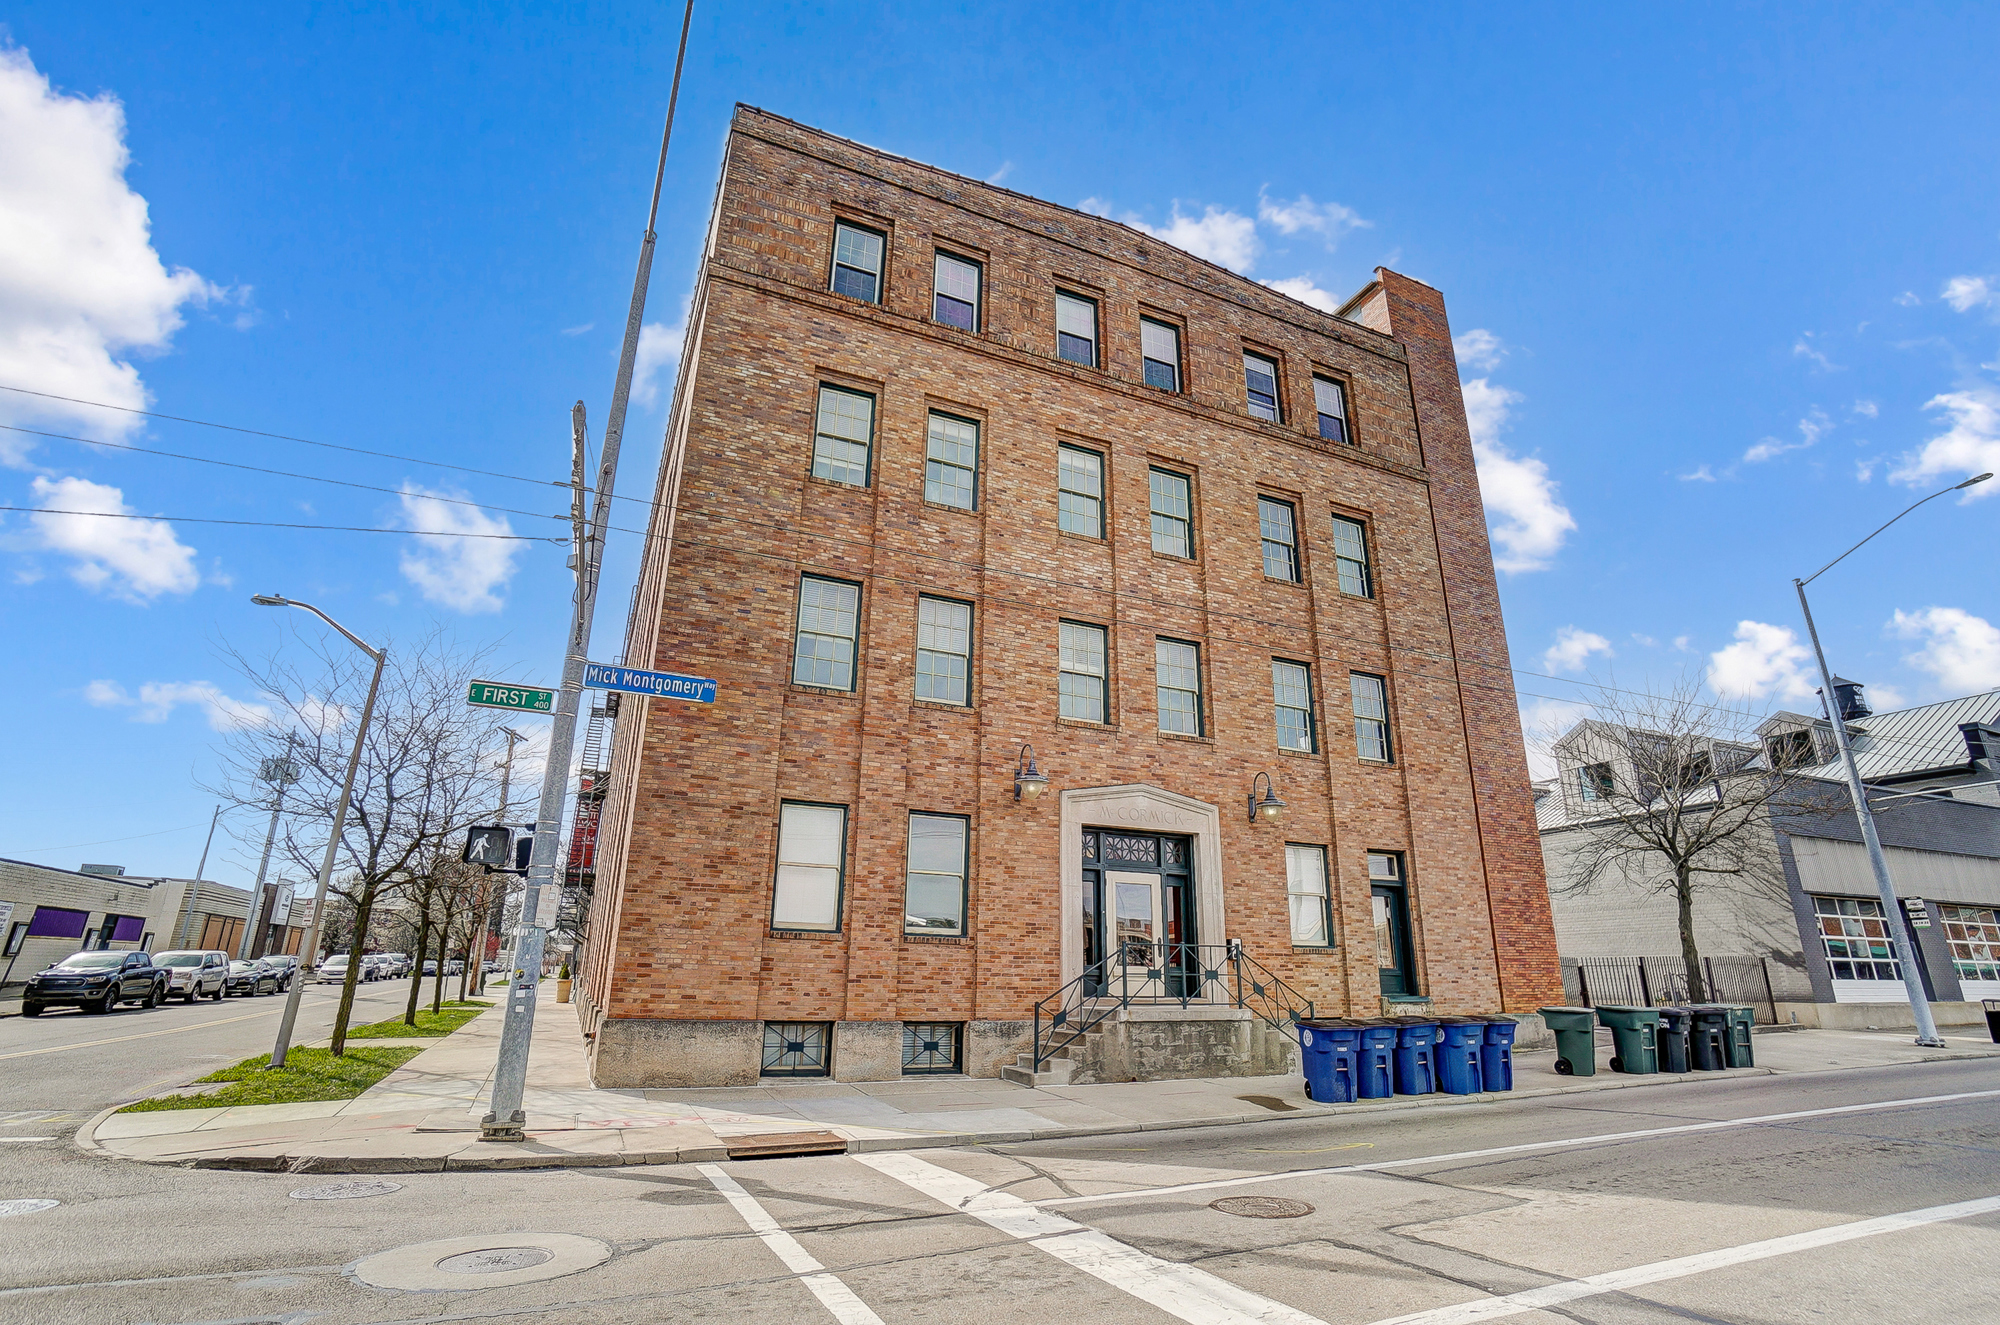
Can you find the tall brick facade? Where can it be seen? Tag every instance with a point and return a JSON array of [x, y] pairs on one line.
[[683, 964]]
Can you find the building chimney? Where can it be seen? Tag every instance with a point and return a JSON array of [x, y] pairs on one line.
[[1848, 698]]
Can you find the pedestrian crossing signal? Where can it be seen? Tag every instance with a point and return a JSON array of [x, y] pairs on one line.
[[486, 846]]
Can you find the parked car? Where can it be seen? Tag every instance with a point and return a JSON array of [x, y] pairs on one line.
[[454, 967], [375, 966], [333, 970], [193, 972], [395, 965], [287, 968], [430, 966], [251, 979], [96, 982]]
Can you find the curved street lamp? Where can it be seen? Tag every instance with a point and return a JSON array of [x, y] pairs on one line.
[[1892, 911], [311, 947]]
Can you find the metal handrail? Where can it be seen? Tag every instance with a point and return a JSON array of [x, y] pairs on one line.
[[1183, 973]]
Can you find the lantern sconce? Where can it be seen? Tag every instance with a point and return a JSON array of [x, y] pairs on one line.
[[1270, 808], [1029, 781]]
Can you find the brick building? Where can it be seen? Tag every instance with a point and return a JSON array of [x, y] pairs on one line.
[[951, 472]]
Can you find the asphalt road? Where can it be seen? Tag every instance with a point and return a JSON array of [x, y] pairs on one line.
[[72, 1062], [1780, 1186]]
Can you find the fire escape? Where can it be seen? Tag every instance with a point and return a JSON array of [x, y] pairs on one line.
[[593, 778]]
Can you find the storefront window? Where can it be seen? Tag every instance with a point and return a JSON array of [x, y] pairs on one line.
[[1974, 935], [1858, 946]]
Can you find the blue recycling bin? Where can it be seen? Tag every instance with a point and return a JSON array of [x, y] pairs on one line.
[[1416, 1055], [1377, 1059], [1459, 1042], [1330, 1054], [1496, 1055]]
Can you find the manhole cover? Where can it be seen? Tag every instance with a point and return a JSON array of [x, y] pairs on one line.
[[29, 1207], [346, 1191], [496, 1260], [1262, 1207]]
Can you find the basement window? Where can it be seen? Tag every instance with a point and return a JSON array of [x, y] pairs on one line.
[[797, 1049]]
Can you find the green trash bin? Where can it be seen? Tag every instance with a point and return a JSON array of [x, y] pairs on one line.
[[1576, 1040], [1737, 1044], [1635, 1038]]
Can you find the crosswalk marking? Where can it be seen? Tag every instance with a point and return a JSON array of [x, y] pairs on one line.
[[835, 1295]]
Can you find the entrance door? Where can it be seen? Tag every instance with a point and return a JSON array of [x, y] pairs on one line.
[[1138, 933], [1392, 941]]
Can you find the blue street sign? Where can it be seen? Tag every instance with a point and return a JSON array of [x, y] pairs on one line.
[[662, 685]]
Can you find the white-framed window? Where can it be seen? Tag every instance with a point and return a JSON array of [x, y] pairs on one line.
[[1350, 557], [1305, 888], [1371, 717], [1080, 491], [857, 261], [944, 650], [1278, 526], [1856, 939], [1160, 343], [1973, 933], [843, 436], [934, 886], [1330, 402], [812, 866], [1082, 674], [1173, 512], [956, 294], [951, 462], [1291, 698], [829, 622], [1260, 387], [1177, 679], [1076, 328]]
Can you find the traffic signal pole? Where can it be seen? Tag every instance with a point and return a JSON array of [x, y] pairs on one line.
[[541, 897]]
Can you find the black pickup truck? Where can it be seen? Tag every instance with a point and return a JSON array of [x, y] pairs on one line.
[[96, 982]]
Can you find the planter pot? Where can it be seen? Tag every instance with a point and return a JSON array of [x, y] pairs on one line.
[[562, 990]]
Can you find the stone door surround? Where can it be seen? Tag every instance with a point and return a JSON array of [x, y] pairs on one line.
[[1143, 808]]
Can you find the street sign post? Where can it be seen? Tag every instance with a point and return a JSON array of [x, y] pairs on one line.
[[500, 695], [638, 681]]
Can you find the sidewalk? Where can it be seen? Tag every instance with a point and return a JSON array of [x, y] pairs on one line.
[[424, 1117]]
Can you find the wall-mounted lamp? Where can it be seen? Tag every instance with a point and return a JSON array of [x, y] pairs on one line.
[[1270, 809], [1029, 781]]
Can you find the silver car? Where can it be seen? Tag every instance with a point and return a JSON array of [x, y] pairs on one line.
[[193, 972]]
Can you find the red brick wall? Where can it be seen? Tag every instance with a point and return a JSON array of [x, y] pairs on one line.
[[681, 928]]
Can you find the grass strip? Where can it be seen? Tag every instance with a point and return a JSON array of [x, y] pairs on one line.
[[450, 1017], [308, 1074]]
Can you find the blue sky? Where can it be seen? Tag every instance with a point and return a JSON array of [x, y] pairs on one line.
[[1727, 283]]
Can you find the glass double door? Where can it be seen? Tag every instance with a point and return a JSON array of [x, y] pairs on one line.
[[1138, 921]]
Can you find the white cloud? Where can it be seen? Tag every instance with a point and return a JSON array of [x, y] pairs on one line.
[[157, 700], [1479, 349], [579, 330], [1573, 649], [1885, 698], [1970, 446], [1866, 409], [659, 354], [1965, 293], [1803, 348], [1811, 428], [1765, 660], [1095, 206], [1006, 169], [1329, 220], [1532, 521], [1961, 650], [459, 573], [1700, 474], [1226, 238], [1543, 721], [137, 560], [1303, 290], [80, 284], [1908, 299]]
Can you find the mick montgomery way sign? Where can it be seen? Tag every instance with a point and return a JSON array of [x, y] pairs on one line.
[[500, 695], [661, 685]]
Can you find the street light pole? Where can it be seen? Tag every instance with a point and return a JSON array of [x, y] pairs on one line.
[[311, 947], [1892, 910], [187, 926], [475, 959]]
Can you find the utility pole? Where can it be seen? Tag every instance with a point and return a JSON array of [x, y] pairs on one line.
[[199, 870], [475, 959], [540, 897], [281, 774]]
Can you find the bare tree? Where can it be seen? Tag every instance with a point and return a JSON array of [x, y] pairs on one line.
[[1673, 793], [425, 772]]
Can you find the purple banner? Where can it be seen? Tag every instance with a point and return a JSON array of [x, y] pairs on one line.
[[129, 929], [53, 922]]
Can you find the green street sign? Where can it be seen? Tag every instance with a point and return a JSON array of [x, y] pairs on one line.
[[522, 699]]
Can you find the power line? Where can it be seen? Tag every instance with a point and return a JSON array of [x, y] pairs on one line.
[[279, 524]]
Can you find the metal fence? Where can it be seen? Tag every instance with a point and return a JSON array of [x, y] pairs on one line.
[[1662, 981]]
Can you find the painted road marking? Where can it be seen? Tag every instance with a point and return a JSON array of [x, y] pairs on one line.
[[1182, 1291], [1602, 1138], [1618, 1281], [834, 1295], [142, 1035], [16, 1140]]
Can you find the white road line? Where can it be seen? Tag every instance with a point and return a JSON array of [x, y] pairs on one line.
[[834, 1295], [1180, 1290], [18, 1139], [1526, 1148], [1618, 1281], [142, 1035]]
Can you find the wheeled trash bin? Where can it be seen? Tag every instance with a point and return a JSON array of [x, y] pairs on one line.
[[1992, 1009], [1330, 1054], [1709, 1047], [1457, 1058], [1635, 1047], [1416, 1055], [1377, 1058], [1674, 1023], [1576, 1040], [1496, 1054], [1737, 1046]]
